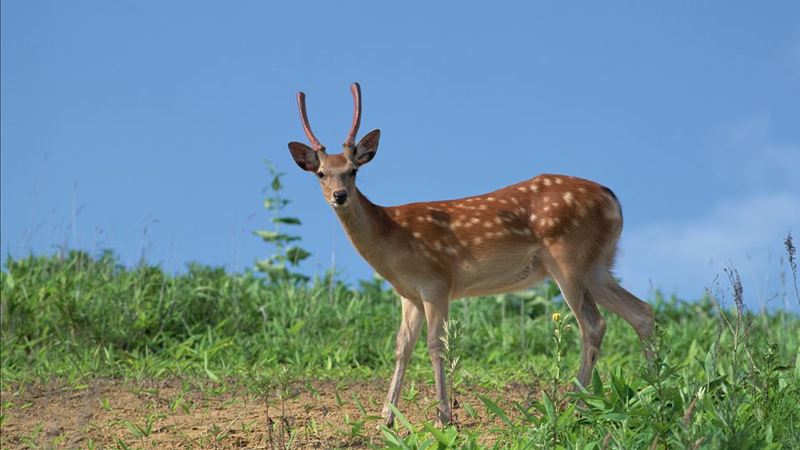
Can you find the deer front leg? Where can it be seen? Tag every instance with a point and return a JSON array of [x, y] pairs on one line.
[[407, 336], [436, 314]]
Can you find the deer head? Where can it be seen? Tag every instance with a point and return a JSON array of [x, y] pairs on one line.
[[336, 173]]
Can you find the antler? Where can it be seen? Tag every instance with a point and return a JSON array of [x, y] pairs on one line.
[[301, 104], [350, 142]]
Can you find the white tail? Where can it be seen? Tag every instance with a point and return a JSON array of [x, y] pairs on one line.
[[504, 241]]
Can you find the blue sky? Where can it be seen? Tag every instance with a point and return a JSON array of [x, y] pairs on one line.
[[142, 126]]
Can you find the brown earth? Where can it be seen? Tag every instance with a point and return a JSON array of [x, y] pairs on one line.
[[188, 414]]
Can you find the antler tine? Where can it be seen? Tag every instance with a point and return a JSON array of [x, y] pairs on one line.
[[350, 142], [301, 104]]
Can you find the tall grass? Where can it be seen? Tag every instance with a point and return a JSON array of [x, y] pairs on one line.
[[720, 379]]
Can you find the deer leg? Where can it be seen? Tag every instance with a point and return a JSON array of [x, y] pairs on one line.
[[590, 322], [410, 327], [609, 294], [436, 314]]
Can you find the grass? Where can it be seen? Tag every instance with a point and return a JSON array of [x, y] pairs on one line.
[[722, 377]]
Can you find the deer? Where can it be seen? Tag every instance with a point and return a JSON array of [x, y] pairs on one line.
[[508, 240]]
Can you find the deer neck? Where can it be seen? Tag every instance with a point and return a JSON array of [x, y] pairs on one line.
[[366, 224]]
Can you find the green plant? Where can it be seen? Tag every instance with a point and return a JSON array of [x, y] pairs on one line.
[[262, 386], [452, 358], [277, 266], [553, 399]]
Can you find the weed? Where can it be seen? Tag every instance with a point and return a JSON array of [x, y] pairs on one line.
[[451, 356], [276, 265]]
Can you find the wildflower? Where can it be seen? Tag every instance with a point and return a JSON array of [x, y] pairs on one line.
[[556, 317], [567, 327]]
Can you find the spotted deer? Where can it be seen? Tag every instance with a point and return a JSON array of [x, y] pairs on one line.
[[504, 241]]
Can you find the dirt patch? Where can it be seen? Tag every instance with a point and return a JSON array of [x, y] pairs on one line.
[[177, 413]]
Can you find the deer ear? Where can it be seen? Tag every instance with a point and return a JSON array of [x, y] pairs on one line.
[[304, 156], [366, 148]]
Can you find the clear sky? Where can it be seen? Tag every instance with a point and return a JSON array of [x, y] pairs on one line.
[[142, 126]]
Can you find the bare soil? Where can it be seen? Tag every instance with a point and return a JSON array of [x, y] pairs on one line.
[[184, 414]]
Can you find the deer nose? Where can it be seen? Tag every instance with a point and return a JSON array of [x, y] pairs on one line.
[[340, 197]]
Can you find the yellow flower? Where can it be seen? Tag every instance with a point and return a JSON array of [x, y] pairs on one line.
[[556, 317]]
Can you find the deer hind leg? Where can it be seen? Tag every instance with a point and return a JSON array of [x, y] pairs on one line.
[[407, 337], [609, 294], [591, 323]]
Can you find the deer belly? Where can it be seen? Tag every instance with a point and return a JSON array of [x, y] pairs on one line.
[[511, 273]]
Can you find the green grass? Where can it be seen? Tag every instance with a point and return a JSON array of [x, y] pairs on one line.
[[722, 378]]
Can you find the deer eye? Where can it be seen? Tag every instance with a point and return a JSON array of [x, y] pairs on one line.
[[320, 175]]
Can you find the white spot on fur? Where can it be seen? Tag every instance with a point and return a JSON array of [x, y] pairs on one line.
[[522, 189], [533, 217], [488, 225], [514, 200], [546, 208], [546, 181], [477, 240], [503, 201], [568, 198], [474, 220], [534, 187], [491, 199], [417, 234], [483, 207], [489, 234]]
